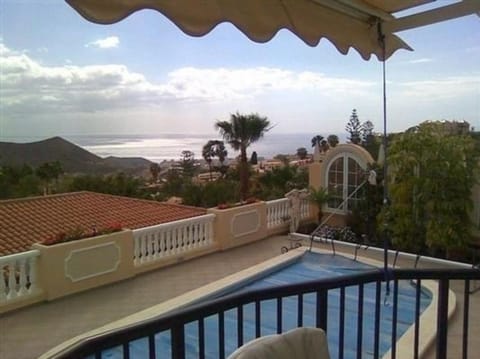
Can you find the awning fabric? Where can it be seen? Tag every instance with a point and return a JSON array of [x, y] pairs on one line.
[[311, 20]]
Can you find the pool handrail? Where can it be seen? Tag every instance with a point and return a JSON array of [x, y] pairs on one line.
[[316, 231]]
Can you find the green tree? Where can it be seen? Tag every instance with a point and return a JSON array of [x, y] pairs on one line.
[[431, 185], [154, 171], [240, 132], [354, 128], [221, 153], [187, 163], [254, 158], [47, 172], [302, 153], [332, 140]]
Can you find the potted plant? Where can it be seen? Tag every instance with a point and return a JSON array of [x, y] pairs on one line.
[[318, 197]]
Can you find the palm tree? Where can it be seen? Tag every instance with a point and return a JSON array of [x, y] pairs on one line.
[[240, 132], [317, 140], [208, 152], [318, 197]]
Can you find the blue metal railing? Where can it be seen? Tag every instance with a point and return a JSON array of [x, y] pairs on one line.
[[175, 323]]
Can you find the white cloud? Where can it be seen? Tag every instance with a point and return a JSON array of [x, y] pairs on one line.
[[423, 60], [106, 43], [228, 84], [29, 87], [441, 88]]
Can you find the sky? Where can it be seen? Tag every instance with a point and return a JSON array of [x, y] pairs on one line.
[[62, 75]]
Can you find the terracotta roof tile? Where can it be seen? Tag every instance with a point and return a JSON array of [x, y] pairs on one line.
[[30, 220]]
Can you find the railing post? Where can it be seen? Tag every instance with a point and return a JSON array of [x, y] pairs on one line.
[[178, 341], [322, 309], [442, 319]]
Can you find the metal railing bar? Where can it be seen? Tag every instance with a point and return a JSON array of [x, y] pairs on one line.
[[221, 335], [240, 325], [376, 343], [279, 316], [466, 307], [341, 330], [201, 338], [394, 319], [151, 347], [360, 322], [322, 309], [442, 319], [257, 319], [418, 291], [126, 350], [300, 310], [178, 341]]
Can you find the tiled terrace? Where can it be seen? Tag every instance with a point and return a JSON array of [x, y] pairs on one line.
[[31, 331]]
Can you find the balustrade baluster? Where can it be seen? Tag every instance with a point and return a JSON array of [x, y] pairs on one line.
[[3, 287], [162, 244], [186, 239], [136, 250], [175, 240], [182, 240], [32, 274], [168, 242], [211, 236], [22, 281], [195, 233], [143, 249], [12, 283], [269, 217], [201, 233], [190, 236], [150, 247], [156, 245]]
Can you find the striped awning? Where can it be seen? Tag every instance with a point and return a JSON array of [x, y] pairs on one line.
[[357, 24]]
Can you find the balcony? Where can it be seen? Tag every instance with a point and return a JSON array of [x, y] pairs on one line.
[[200, 258]]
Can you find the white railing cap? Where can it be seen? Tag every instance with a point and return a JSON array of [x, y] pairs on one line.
[[180, 222], [276, 201], [22, 255]]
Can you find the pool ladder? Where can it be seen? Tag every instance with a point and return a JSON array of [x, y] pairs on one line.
[[318, 230]]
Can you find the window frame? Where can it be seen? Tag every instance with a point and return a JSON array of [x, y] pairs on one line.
[[346, 156]]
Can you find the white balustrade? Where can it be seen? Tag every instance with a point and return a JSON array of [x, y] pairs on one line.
[[304, 209], [278, 212], [18, 275], [169, 239]]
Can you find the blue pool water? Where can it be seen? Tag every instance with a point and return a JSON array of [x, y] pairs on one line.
[[310, 266]]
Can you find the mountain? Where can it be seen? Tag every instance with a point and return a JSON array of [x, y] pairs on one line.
[[74, 159]]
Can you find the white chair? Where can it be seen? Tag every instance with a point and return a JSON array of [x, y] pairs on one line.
[[300, 343]]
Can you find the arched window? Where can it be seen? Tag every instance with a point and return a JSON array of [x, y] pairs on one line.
[[344, 175]]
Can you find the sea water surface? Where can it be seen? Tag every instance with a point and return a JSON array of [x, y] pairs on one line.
[[159, 147]]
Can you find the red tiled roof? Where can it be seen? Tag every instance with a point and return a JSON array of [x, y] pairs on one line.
[[30, 220]]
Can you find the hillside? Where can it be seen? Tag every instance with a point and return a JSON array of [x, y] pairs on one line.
[[74, 159]]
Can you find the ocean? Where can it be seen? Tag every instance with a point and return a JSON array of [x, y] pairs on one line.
[[162, 147]]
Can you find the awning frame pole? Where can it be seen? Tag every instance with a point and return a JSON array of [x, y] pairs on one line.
[[386, 202]]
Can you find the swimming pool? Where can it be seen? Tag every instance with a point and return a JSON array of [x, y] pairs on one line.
[[310, 266]]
